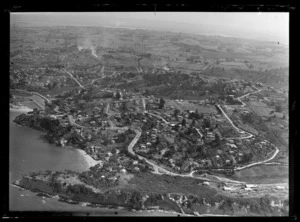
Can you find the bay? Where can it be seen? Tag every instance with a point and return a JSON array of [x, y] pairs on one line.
[[28, 152]]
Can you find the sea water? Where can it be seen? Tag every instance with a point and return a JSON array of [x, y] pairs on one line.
[[29, 152]]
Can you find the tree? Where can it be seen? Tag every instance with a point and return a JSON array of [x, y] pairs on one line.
[[176, 112], [201, 116], [118, 95], [147, 106], [35, 111], [278, 108], [124, 107], [197, 115], [136, 200], [161, 103], [207, 123], [168, 153], [146, 92], [217, 138]]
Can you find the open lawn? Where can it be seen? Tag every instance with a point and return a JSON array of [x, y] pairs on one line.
[[259, 108], [264, 174], [185, 105]]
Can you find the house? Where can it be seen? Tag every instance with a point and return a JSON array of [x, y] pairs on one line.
[[228, 188], [114, 178], [250, 186], [206, 183], [230, 141], [135, 162], [263, 143], [231, 145], [171, 161], [247, 189]]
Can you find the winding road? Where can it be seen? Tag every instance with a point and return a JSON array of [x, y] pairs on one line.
[[73, 123], [160, 169], [74, 78]]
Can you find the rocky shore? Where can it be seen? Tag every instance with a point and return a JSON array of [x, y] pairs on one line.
[[49, 183], [38, 122], [54, 131]]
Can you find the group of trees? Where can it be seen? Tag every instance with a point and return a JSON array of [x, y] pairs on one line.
[[136, 200], [207, 123], [51, 85], [49, 107], [246, 158], [195, 115], [124, 107], [118, 95], [254, 121]]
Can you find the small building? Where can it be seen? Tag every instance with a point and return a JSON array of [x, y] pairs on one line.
[[135, 162], [247, 189], [231, 145], [250, 186], [228, 188], [206, 183], [230, 141]]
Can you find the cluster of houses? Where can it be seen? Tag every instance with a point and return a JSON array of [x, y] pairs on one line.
[[37, 77]]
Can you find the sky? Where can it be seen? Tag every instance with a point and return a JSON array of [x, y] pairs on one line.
[[258, 25]]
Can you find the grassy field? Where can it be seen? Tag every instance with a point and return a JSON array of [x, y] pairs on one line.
[[19, 93], [264, 174], [239, 65], [259, 108], [151, 183], [184, 105], [189, 66], [31, 105]]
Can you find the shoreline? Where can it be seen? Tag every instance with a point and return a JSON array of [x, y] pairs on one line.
[[108, 208], [22, 109], [88, 159], [122, 210]]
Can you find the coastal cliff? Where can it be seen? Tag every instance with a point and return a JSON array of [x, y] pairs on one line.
[[130, 198], [54, 131], [38, 122]]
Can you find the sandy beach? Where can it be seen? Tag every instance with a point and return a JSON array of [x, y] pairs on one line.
[[21, 109], [89, 160]]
